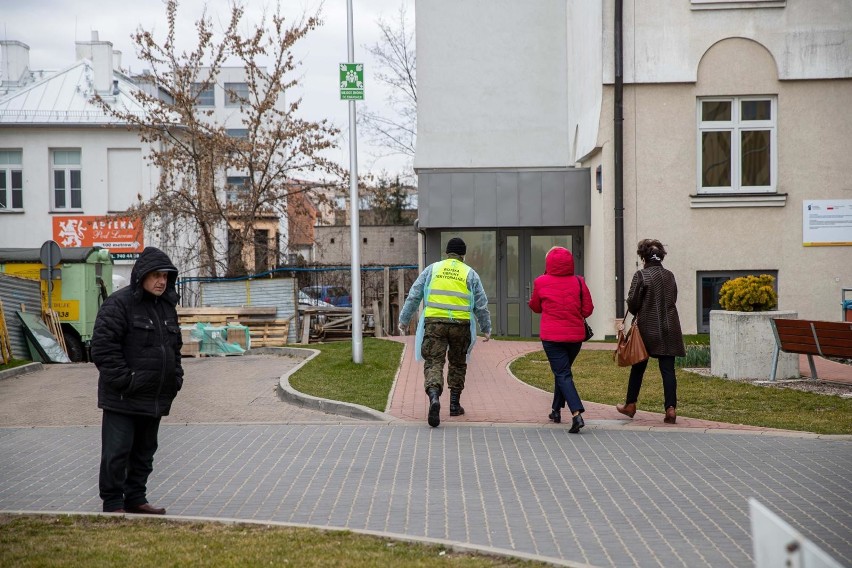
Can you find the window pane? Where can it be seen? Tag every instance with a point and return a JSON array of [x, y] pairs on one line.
[[17, 179], [75, 179], [237, 132], [2, 189], [755, 158], [756, 110], [513, 265], [59, 179], [17, 199], [716, 111], [59, 158], [11, 157], [716, 159], [73, 157], [2, 179], [59, 199], [235, 91], [76, 199]]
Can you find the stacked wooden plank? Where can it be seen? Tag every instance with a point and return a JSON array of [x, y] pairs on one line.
[[265, 330]]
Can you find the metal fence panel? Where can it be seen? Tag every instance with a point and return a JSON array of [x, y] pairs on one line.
[[15, 291], [277, 292]]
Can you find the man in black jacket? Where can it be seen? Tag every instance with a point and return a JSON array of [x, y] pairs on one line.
[[136, 346]]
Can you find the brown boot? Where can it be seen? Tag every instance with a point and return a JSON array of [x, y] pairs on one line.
[[628, 409], [671, 415]]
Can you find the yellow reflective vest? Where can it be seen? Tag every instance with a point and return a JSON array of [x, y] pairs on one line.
[[448, 294]]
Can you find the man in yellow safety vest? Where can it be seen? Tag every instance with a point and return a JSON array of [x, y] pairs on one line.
[[450, 291]]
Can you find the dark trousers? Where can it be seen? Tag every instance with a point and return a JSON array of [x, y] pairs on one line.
[[128, 444], [561, 356], [667, 370]]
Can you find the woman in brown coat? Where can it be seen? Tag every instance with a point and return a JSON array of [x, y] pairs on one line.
[[652, 299]]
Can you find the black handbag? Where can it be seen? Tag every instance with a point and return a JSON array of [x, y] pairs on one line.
[[589, 332]]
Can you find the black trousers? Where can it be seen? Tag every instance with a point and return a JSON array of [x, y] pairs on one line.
[[667, 370], [128, 444]]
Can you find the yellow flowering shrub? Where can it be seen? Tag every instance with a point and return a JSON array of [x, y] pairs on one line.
[[749, 294]]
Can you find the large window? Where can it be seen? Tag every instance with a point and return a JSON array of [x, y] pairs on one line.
[[66, 173], [205, 95], [11, 179], [709, 285], [737, 145], [235, 93]]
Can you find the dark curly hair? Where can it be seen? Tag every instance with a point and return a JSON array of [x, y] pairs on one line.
[[647, 248]]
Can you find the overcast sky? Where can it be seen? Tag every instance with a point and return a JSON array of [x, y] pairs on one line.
[[50, 28]]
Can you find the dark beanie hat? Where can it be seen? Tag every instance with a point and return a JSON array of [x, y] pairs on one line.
[[457, 246]]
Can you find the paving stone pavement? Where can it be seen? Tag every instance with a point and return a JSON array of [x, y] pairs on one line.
[[608, 497]]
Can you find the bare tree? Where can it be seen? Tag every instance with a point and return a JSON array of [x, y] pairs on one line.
[[193, 151], [388, 200], [397, 59]]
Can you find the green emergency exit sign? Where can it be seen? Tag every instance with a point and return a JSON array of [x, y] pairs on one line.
[[352, 81]]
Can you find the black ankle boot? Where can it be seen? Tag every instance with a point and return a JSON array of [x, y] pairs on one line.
[[455, 408], [576, 423], [556, 416], [434, 407]]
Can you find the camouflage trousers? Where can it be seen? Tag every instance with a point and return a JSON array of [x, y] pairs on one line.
[[445, 340]]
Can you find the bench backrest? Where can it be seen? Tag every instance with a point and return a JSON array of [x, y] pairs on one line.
[[827, 338]]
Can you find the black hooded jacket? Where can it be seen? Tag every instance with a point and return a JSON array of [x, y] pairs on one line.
[[136, 343]]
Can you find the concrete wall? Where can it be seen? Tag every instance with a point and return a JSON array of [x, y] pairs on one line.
[[491, 84], [378, 248]]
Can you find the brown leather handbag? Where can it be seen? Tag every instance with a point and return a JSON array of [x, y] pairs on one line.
[[630, 349]]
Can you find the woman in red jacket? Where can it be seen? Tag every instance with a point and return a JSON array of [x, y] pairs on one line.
[[564, 301]]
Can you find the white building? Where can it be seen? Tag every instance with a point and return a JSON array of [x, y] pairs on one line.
[[735, 116], [63, 162]]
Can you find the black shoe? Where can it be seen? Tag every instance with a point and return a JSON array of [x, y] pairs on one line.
[[456, 409], [434, 408], [556, 416], [576, 424]]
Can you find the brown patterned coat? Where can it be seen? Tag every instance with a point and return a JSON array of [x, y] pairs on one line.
[[652, 297]]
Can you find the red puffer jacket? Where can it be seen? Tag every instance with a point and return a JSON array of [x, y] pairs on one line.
[[556, 296]]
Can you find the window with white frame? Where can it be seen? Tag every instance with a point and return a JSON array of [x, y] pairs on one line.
[[11, 179], [236, 188], [235, 93], [205, 96], [66, 179], [737, 150]]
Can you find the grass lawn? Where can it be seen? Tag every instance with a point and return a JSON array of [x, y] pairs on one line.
[[14, 363], [598, 379], [117, 541], [334, 376]]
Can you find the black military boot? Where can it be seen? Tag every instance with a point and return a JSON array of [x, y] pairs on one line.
[[434, 407], [455, 408]]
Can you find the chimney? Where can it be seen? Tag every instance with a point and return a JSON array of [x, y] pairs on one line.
[[100, 54], [116, 60], [14, 64]]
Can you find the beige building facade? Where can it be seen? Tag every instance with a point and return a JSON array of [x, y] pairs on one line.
[[735, 119]]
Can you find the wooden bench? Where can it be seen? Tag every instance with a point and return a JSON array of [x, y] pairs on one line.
[[808, 337]]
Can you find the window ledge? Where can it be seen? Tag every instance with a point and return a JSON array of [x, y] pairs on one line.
[[736, 4], [718, 200], [4, 211]]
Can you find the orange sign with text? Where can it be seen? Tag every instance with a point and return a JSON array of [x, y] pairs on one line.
[[123, 236]]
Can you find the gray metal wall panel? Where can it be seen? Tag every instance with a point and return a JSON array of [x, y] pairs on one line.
[[552, 199], [578, 202], [529, 188], [277, 292], [484, 189], [462, 202], [505, 198], [15, 291]]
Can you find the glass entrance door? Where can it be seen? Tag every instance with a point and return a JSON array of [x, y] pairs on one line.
[[522, 254]]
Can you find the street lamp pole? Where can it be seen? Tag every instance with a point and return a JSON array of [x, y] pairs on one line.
[[354, 204]]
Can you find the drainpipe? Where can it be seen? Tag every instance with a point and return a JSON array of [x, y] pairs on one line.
[[618, 155]]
